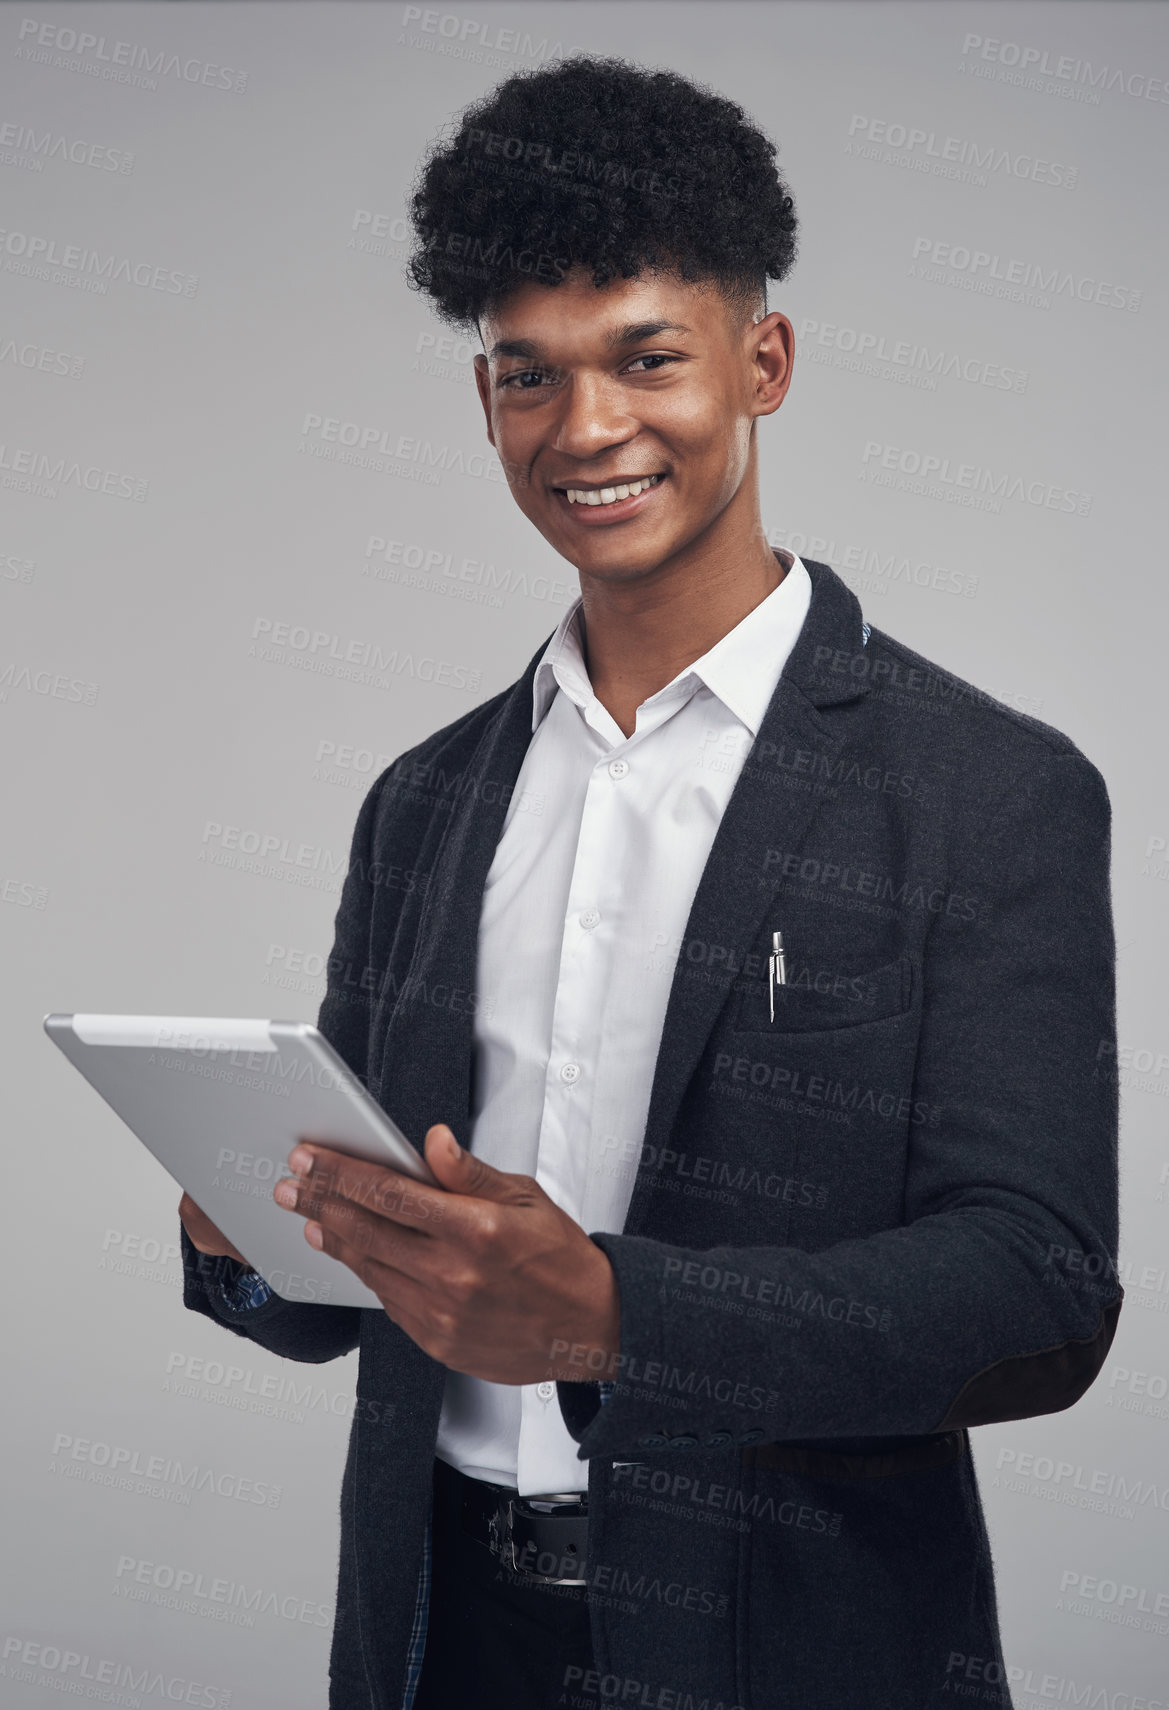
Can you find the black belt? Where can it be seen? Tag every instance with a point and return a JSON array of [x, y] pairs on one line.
[[546, 1544], [549, 1544]]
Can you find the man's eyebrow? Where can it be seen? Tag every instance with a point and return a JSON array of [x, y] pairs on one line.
[[633, 332]]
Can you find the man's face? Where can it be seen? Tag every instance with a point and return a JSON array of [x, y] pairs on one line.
[[588, 389]]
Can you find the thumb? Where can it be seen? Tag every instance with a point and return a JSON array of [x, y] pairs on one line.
[[459, 1170]]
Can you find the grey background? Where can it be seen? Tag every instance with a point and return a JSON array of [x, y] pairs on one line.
[[150, 743]]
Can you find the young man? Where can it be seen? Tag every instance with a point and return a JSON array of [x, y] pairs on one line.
[[760, 969]]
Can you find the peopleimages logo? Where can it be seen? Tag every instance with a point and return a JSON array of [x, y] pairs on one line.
[[984, 266], [869, 348], [43, 472], [472, 38], [118, 60], [41, 358], [949, 155], [195, 1592], [1066, 68], [56, 684], [414, 565], [374, 447], [131, 1468], [34, 148], [972, 477], [355, 658], [113, 1680], [44, 258]]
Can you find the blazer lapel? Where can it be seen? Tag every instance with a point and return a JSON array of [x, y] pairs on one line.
[[429, 1044], [730, 911]]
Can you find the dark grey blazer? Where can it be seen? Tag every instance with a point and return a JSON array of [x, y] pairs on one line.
[[857, 1231]]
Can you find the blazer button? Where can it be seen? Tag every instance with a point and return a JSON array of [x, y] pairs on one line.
[[683, 1442], [755, 1435], [652, 1442], [719, 1439]]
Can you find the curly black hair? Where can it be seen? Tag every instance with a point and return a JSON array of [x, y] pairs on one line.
[[596, 162]]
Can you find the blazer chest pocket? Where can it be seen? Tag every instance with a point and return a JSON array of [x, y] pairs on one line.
[[828, 1004]]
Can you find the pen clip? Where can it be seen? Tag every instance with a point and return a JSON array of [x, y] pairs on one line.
[[776, 969]]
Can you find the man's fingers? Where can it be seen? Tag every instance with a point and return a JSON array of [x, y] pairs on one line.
[[402, 1295], [384, 1191], [206, 1237], [363, 1232]]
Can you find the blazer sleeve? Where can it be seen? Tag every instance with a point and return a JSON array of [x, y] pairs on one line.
[[295, 1329], [998, 1296]]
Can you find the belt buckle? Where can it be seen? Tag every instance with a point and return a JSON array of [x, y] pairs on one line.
[[503, 1539]]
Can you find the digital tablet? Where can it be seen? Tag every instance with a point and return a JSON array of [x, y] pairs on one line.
[[221, 1103]]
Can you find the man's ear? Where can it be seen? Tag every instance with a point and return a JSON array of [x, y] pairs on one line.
[[483, 385]]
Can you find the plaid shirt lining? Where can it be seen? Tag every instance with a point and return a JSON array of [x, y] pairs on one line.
[[249, 1289]]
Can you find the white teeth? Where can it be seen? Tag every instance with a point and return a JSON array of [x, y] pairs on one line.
[[610, 495]]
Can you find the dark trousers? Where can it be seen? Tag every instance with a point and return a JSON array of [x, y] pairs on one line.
[[494, 1642]]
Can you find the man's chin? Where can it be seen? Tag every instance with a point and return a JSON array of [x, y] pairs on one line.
[[619, 556]]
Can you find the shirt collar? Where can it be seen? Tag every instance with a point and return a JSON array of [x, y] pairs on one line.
[[742, 669]]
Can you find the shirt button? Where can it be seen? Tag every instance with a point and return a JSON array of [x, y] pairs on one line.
[[618, 768], [590, 917], [570, 1072], [546, 1391]]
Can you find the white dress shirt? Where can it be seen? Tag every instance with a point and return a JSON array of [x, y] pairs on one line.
[[584, 908]]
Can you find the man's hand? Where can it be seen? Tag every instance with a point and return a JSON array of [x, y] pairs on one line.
[[206, 1237], [484, 1272]]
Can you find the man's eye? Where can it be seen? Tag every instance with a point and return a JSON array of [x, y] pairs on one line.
[[522, 374], [538, 374], [655, 356]]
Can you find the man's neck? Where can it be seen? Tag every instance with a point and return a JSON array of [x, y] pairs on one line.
[[635, 640]]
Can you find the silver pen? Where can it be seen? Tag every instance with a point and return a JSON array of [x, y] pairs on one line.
[[776, 969]]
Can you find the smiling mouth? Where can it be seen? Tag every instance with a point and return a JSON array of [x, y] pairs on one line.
[[599, 496]]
